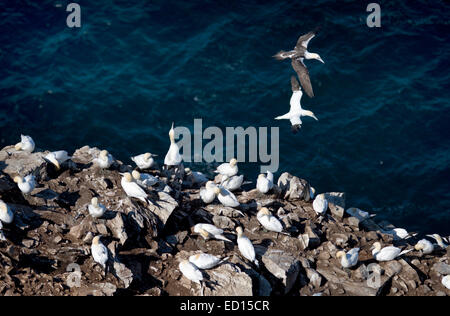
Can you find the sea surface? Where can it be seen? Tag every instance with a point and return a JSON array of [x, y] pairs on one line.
[[134, 67]]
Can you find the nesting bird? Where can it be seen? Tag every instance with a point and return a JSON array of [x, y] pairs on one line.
[[173, 157], [226, 197], [245, 246], [268, 221], [27, 184], [26, 144], [6, 214], [349, 259], [57, 158], [265, 182], [104, 160], [143, 179], [190, 271], [96, 209], [205, 261], [196, 177], [132, 189], [425, 246], [208, 193], [359, 214], [209, 231], [399, 233], [232, 183], [439, 240], [320, 204], [99, 252], [228, 169], [296, 112], [298, 55], [387, 253], [144, 161]]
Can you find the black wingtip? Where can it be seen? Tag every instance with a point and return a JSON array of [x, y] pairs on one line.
[[295, 128]]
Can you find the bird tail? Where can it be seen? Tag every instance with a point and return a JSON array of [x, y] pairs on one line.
[[220, 237], [283, 117], [281, 55]]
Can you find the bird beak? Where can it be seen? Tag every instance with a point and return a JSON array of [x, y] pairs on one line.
[[431, 236], [320, 59]]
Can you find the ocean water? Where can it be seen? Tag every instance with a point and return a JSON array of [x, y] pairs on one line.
[[382, 96]]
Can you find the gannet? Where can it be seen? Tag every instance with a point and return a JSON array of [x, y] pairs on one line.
[[209, 231], [439, 240], [144, 161], [296, 112], [132, 189], [399, 233], [446, 281], [228, 169], [387, 253], [349, 259], [26, 144], [312, 193], [226, 197], [99, 252], [233, 183], [268, 221], [104, 160], [195, 177], [320, 204], [208, 193], [173, 157], [298, 54], [57, 158], [96, 210], [245, 246], [359, 214], [205, 261], [425, 246], [27, 184], [144, 179], [190, 271], [6, 214], [265, 182]]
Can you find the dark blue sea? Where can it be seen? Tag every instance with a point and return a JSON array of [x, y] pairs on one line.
[[118, 82]]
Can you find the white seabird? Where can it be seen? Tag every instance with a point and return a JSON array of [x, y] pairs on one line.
[[387, 253], [439, 240], [446, 281], [349, 259], [6, 214], [359, 214], [96, 210], [173, 157], [226, 197], [399, 233], [245, 246], [196, 177], [99, 252], [57, 158], [190, 271], [205, 261], [320, 204], [144, 179], [212, 232], [208, 193], [232, 183], [104, 160], [296, 112], [144, 161], [265, 182], [228, 169], [132, 189], [268, 221], [27, 184], [26, 144], [425, 246]]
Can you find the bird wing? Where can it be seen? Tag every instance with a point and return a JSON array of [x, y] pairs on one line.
[[294, 84], [303, 40], [303, 75], [212, 229], [246, 248]]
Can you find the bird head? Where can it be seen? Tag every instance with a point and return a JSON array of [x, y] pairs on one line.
[[203, 233], [103, 154], [419, 246], [94, 201], [264, 211], [18, 179], [172, 134], [239, 231], [136, 175], [217, 190], [317, 57], [437, 237], [340, 254], [261, 176], [96, 240], [376, 246], [127, 176], [147, 156], [3, 207], [18, 146], [233, 162]]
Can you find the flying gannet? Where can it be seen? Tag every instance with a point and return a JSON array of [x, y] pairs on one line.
[[349, 259], [6, 214], [320, 204], [245, 246], [144, 161], [27, 184], [190, 271], [173, 157], [99, 252], [425, 246], [226, 197], [57, 158], [228, 169], [439, 240], [233, 183], [387, 253], [104, 159], [265, 182], [205, 261], [145, 180], [208, 193], [268, 221], [296, 112], [132, 189], [96, 210], [298, 55], [212, 232], [26, 144]]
